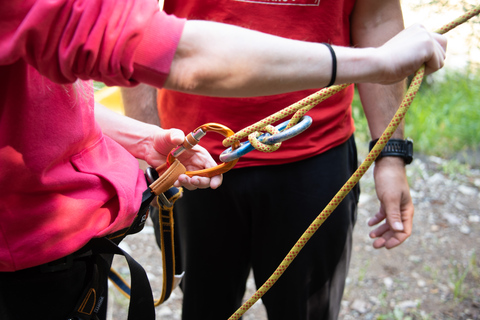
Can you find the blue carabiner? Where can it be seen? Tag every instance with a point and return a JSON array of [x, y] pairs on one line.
[[267, 138]]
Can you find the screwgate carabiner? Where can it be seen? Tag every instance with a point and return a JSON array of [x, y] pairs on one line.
[[193, 138]]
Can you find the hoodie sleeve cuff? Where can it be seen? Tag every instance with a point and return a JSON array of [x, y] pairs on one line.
[[155, 53]]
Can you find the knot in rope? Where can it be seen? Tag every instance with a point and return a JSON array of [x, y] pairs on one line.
[[298, 109], [252, 138]]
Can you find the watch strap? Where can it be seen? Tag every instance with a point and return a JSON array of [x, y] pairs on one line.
[[396, 148]]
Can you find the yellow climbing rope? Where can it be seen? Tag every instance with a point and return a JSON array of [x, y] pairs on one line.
[[301, 108]]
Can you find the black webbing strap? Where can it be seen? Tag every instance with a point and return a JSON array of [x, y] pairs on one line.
[[164, 233], [140, 219], [101, 251], [141, 298]]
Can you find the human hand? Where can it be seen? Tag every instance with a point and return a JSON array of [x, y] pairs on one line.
[[197, 158], [396, 206], [405, 53]]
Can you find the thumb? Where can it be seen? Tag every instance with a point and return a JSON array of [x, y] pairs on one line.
[[176, 136], [394, 219], [168, 139]]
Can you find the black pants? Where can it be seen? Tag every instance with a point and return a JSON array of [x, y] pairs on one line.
[[252, 221], [35, 294]]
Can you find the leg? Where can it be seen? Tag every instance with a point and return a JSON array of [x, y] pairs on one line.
[[312, 286], [215, 250], [31, 294]]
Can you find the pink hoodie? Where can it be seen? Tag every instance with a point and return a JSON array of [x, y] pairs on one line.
[[62, 181]]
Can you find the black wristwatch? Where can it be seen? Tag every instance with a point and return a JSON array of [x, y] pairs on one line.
[[396, 148]]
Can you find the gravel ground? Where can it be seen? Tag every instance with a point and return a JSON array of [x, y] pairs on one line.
[[435, 274]]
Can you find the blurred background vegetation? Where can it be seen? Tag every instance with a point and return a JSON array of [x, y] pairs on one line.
[[444, 118]]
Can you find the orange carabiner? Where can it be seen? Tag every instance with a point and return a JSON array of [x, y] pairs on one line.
[[193, 138]]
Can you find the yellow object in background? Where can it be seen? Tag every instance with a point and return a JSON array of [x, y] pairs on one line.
[[110, 97]]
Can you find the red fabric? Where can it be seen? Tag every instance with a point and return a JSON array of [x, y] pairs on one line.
[[62, 182], [309, 20]]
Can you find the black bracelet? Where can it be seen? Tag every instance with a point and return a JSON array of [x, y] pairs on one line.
[[334, 64]]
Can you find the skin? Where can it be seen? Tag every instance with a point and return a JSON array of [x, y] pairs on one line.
[[250, 63], [152, 144], [374, 23]]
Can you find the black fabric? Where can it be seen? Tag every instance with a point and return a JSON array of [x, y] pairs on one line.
[[141, 298], [33, 294], [168, 249], [252, 221], [155, 216], [36, 294], [58, 290]]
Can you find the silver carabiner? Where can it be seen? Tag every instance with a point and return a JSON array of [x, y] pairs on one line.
[[267, 138]]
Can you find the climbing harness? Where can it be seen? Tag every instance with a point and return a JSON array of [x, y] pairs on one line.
[[268, 142], [162, 217], [97, 254]]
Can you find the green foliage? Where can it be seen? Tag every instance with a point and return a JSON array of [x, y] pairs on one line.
[[444, 118], [361, 126], [363, 271], [474, 266], [396, 314], [459, 273], [457, 278], [98, 85]]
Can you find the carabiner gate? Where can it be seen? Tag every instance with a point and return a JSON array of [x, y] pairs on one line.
[[193, 138]]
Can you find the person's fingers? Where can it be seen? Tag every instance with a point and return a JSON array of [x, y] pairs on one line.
[[197, 182], [377, 218], [172, 138], [385, 237], [216, 181], [393, 215], [379, 231]]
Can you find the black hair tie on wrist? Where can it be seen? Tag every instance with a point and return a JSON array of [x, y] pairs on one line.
[[334, 64]]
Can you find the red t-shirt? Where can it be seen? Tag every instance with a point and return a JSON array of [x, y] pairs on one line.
[[308, 20]]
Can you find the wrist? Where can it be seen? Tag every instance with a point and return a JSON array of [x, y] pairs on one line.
[[357, 65], [399, 148], [144, 142]]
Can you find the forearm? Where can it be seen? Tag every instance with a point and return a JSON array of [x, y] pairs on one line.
[[380, 102], [133, 135], [223, 60], [140, 103], [373, 25]]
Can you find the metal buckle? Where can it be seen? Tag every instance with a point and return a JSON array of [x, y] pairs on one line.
[[152, 175]]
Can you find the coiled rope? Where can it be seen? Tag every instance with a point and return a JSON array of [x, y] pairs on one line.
[[300, 108]]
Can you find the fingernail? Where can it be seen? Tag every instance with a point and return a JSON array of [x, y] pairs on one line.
[[398, 226]]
